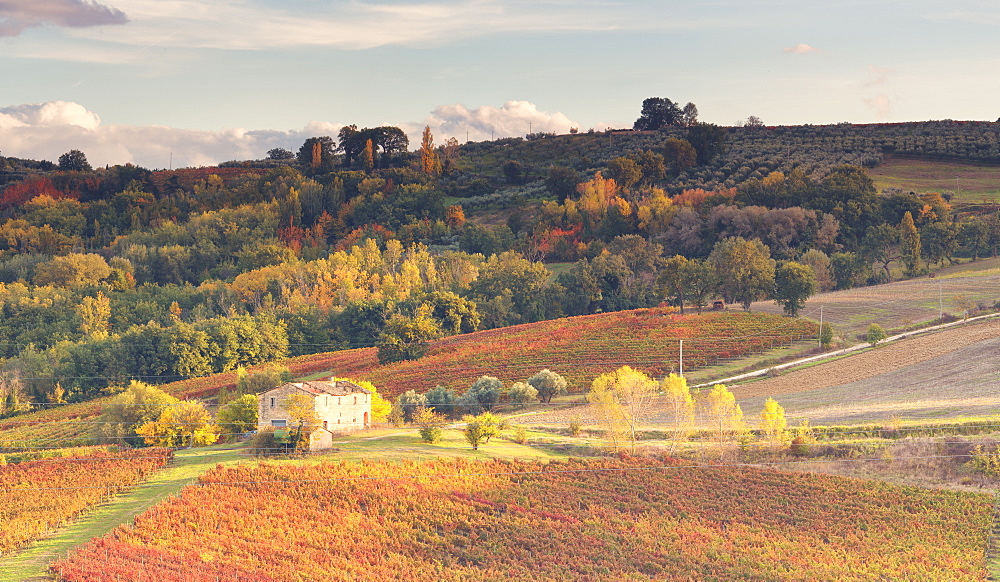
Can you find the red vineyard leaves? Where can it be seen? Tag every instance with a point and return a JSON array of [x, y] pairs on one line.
[[608, 519], [42, 494]]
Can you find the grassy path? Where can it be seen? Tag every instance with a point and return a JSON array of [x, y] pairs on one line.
[[187, 465]]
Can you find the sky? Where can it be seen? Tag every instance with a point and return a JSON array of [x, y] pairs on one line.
[[174, 83]]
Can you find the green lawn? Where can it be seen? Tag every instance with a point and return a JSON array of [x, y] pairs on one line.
[[187, 465], [968, 183]]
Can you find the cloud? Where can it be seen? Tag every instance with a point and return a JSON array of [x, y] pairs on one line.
[[47, 130], [800, 49], [514, 118], [17, 15], [880, 96]]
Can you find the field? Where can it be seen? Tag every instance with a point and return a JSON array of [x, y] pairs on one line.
[[946, 374], [969, 183], [637, 519]]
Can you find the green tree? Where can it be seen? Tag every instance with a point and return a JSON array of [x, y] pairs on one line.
[[625, 171], [239, 416], [745, 270], [657, 113], [521, 393], [794, 283], [72, 271], [74, 161], [679, 155], [562, 182], [442, 399], [407, 338], [825, 335], [430, 424], [881, 245], [481, 428], [708, 141], [483, 394], [548, 384], [875, 334]]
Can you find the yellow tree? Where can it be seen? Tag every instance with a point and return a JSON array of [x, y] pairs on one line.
[[723, 413], [186, 423], [368, 156], [622, 399], [679, 402], [430, 162], [380, 406], [302, 412], [773, 423], [95, 313]]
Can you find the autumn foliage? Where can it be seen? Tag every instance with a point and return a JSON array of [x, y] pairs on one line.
[[635, 519], [42, 494]]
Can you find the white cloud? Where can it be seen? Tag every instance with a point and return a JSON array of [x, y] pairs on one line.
[[800, 49], [17, 15], [47, 130], [514, 118]]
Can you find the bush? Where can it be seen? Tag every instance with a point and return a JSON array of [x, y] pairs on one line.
[[431, 434], [520, 435], [875, 334], [264, 443], [575, 427]]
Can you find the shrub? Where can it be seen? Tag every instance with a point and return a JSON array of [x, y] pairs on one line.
[[575, 427], [431, 434], [875, 334]]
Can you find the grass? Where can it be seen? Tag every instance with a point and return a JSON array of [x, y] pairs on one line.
[[187, 465], [968, 183]]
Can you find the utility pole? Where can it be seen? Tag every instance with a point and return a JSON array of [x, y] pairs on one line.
[[171, 161], [940, 304], [529, 128]]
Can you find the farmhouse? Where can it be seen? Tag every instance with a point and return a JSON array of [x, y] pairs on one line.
[[340, 406]]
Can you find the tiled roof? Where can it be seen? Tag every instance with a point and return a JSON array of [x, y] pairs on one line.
[[333, 388]]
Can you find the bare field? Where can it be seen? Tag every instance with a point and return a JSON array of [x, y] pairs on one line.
[[904, 303]]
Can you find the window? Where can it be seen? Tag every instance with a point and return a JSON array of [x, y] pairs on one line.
[[272, 403], [338, 400], [355, 399], [279, 423], [324, 425], [326, 401], [338, 421]]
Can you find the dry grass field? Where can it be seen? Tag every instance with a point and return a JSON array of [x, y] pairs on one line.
[[967, 182]]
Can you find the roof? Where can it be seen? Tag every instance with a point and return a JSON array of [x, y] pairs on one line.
[[332, 388]]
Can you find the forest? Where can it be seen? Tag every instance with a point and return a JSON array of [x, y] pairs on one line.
[[111, 274]]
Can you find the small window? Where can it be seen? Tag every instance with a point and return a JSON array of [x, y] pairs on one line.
[[355, 421], [324, 425], [338, 421], [355, 399], [279, 423], [338, 400], [272, 403], [326, 402]]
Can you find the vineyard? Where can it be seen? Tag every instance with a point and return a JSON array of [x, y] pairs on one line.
[[580, 348], [42, 494], [574, 520]]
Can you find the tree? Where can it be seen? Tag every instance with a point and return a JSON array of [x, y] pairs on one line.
[[724, 414], [408, 402], [773, 423], [482, 395], [825, 335], [368, 156], [72, 271], [680, 403], [708, 140], [909, 245], [562, 182], [623, 399], [679, 155], [380, 406], [521, 393], [301, 411], [793, 284], [279, 154], [74, 161], [238, 416], [316, 154], [657, 113], [689, 115], [186, 423], [938, 241], [745, 270], [848, 269], [430, 162], [430, 424], [881, 245], [139, 404], [481, 428], [624, 171], [875, 334], [547, 384], [442, 399], [96, 315], [753, 122], [406, 338]]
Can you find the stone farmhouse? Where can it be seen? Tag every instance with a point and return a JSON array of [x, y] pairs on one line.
[[340, 405]]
